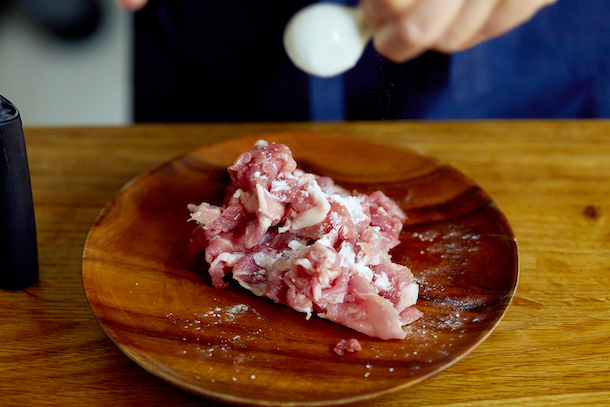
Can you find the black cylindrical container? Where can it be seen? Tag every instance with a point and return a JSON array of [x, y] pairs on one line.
[[18, 250]]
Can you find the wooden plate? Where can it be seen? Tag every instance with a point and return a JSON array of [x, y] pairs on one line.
[[155, 300]]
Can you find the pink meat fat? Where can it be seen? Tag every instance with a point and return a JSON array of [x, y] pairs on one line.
[[303, 241]]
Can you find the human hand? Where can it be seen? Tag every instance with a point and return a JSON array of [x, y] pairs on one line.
[[132, 5], [403, 29]]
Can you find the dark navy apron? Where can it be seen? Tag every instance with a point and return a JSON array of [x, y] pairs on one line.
[[223, 61]]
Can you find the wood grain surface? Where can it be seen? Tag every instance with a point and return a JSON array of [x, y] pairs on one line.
[[551, 180]]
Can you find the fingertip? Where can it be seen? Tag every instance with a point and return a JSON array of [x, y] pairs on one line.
[[395, 41], [132, 5], [368, 12]]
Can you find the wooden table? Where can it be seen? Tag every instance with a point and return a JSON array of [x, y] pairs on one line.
[[551, 179]]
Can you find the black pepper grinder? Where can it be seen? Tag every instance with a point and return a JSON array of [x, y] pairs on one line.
[[18, 250]]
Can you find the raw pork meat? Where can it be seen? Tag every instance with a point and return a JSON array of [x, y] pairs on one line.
[[299, 239], [347, 345]]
